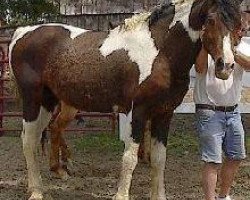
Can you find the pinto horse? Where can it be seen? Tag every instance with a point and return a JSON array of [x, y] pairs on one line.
[[140, 69]]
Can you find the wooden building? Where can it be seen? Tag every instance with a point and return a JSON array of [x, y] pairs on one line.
[[98, 14]]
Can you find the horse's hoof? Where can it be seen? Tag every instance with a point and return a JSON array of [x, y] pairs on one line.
[[158, 197], [36, 196], [120, 197], [61, 174], [68, 167], [70, 163]]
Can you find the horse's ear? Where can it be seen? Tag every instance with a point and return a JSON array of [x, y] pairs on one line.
[[111, 25], [199, 12], [239, 1]]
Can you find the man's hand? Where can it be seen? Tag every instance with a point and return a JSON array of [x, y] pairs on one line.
[[242, 60]]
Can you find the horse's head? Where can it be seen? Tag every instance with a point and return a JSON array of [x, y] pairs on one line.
[[219, 22]]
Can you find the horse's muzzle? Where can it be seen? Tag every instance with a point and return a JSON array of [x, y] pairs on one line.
[[223, 70]]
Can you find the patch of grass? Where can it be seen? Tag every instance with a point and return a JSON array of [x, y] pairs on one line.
[[182, 144], [179, 144], [100, 142]]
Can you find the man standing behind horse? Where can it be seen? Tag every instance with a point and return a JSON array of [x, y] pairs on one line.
[[219, 122]]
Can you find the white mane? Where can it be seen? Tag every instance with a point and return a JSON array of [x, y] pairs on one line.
[[136, 21]]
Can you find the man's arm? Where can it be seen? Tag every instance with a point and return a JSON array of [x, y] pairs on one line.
[[201, 62], [242, 60]]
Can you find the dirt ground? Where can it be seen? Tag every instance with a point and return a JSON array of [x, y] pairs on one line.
[[96, 171]]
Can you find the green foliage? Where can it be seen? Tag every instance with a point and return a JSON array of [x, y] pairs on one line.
[[26, 11]]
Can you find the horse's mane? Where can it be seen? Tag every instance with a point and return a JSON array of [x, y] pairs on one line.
[[135, 21], [147, 17], [160, 12], [229, 10]]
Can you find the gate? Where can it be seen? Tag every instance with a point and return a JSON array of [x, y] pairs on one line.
[[109, 118]]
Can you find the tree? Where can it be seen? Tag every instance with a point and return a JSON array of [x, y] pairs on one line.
[[21, 12]]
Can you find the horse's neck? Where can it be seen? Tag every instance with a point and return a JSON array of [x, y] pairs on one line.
[[164, 26], [179, 48]]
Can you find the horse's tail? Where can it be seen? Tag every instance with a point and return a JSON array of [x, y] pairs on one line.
[[13, 86]]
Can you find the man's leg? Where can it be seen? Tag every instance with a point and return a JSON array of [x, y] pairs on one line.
[[209, 180], [228, 172], [234, 148], [211, 133]]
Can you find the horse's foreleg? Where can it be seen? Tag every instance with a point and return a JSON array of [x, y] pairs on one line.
[[31, 135], [130, 156], [159, 128], [65, 116]]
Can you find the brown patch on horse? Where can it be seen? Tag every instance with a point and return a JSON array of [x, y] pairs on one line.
[[89, 66]]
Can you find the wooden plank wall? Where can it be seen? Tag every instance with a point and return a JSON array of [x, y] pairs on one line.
[[96, 14], [72, 7], [246, 5]]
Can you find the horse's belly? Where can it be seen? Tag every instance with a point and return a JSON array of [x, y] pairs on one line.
[[95, 96]]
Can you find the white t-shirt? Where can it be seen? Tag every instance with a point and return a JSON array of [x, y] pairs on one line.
[[211, 90]]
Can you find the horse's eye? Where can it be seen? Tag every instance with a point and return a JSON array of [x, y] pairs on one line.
[[210, 21]]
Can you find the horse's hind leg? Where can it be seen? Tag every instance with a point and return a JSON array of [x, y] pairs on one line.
[[36, 118], [65, 116]]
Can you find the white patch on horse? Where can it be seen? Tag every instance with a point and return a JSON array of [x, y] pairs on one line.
[[20, 32], [74, 31], [129, 162], [31, 137], [137, 42], [130, 157], [182, 13], [125, 126], [227, 50], [158, 160]]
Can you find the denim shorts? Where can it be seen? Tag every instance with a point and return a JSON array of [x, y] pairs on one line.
[[220, 132]]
